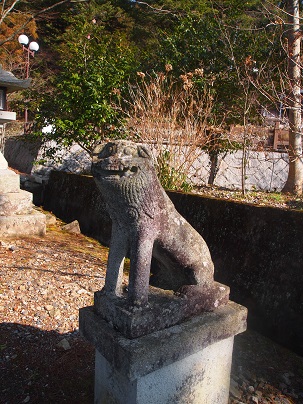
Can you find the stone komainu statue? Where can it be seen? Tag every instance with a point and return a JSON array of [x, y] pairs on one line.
[[147, 228]]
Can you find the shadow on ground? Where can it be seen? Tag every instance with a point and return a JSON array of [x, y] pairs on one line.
[[39, 366]]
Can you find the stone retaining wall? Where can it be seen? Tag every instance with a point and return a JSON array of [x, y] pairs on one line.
[[257, 251], [264, 170]]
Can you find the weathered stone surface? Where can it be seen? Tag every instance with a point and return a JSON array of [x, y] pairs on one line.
[[164, 310], [17, 216], [15, 203], [200, 378], [137, 357], [50, 219], [265, 171], [3, 162], [9, 181], [147, 225], [23, 225], [72, 227]]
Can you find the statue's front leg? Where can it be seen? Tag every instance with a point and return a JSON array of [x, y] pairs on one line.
[[115, 263], [140, 261]]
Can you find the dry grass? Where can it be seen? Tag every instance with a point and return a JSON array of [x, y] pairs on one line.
[[172, 115], [258, 198]]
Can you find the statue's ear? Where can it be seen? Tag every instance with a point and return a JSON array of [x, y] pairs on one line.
[[104, 150], [144, 151], [98, 149]]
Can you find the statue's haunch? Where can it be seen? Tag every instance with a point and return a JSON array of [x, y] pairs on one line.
[[147, 226]]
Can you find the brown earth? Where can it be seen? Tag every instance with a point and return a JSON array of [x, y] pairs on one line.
[[45, 280]]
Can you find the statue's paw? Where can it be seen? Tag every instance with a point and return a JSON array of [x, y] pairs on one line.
[[110, 292], [207, 297], [190, 291], [136, 306]]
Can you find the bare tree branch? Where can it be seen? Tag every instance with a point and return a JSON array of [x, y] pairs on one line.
[[4, 12], [158, 10], [30, 18]]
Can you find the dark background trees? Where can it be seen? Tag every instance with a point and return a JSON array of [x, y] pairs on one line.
[[188, 35], [239, 46]]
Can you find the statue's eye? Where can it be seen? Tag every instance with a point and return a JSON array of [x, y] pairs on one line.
[[144, 152], [98, 150], [102, 152], [108, 150]]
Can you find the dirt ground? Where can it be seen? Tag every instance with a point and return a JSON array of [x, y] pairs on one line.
[[45, 280]]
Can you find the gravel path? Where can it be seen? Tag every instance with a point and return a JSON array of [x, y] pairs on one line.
[[44, 281]]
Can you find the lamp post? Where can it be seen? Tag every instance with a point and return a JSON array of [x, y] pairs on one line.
[[30, 48]]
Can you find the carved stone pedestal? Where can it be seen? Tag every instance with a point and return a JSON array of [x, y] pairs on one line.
[[185, 363], [17, 216]]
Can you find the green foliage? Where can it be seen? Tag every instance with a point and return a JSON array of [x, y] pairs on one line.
[[222, 41], [94, 68], [170, 178], [89, 51]]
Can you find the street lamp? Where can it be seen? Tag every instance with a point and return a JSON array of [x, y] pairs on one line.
[[30, 48]]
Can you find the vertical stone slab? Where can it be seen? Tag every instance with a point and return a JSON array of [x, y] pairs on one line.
[[201, 378]]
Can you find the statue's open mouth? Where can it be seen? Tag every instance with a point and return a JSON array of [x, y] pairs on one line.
[[122, 171]]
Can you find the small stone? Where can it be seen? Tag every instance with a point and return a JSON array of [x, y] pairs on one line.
[[50, 219], [81, 291], [251, 389], [64, 344], [259, 394], [26, 400], [234, 389], [72, 227]]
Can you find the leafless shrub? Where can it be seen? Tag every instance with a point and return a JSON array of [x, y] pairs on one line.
[[173, 116]]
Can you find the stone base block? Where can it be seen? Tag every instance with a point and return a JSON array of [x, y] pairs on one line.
[[201, 378], [186, 363], [164, 309], [9, 181], [30, 224], [16, 203]]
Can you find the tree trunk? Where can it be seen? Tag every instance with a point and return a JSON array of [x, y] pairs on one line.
[[213, 168], [295, 175]]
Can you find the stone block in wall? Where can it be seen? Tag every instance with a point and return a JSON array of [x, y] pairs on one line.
[[265, 170]]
